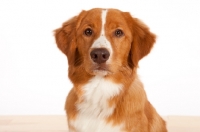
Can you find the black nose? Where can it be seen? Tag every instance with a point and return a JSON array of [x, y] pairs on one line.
[[99, 55]]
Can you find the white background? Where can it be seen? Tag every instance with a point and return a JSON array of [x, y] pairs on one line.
[[33, 72]]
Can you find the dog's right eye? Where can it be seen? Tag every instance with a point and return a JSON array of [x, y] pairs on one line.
[[88, 32]]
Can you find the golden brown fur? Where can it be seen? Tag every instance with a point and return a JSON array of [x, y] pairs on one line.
[[132, 107]]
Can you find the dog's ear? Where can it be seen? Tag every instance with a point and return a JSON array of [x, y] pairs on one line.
[[65, 38], [143, 40]]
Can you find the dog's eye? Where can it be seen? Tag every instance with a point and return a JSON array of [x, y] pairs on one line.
[[119, 33], [88, 32]]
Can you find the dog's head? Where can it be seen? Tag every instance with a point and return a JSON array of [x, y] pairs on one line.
[[102, 41]]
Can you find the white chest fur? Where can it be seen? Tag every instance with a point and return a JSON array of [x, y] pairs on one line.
[[94, 109]]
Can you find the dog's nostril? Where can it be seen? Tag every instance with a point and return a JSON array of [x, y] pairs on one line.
[[95, 56], [99, 55], [104, 56]]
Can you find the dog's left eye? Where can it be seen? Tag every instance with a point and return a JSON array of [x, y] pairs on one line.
[[88, 32], [119, 33]]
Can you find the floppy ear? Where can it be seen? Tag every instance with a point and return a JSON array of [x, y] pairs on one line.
[[143, 40], [65, 38]]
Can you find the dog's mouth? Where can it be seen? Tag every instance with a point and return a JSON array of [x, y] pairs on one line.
[[102, 70]]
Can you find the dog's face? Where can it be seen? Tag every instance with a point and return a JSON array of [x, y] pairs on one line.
[[104, 41]]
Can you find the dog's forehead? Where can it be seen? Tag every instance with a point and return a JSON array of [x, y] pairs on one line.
[[115, 16], [94, 16], [91, 16]]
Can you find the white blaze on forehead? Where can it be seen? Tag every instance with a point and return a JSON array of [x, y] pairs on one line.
[[103, 19], [102, 41]]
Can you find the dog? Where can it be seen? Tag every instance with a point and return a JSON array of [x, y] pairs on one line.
[[103, 47]]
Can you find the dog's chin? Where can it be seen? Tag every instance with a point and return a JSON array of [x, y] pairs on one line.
[[100, 72]]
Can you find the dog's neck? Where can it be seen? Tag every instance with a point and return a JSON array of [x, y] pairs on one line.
[[96, 95]]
